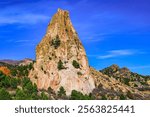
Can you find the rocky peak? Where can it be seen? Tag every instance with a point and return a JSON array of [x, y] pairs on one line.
[[61, 59], [115, 67], [124, 70]]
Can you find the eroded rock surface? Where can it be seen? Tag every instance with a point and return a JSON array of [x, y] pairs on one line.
[[61, 59]]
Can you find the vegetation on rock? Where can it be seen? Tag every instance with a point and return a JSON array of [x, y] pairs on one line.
[[60, 65], [56, 42], [76, 64]]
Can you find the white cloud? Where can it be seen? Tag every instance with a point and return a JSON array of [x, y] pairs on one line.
[[22, 19], [117, 53]]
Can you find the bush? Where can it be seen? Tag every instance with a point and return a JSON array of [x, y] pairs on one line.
[[20, 95], [76, 95], [14, 83], [4, 95], [61, 92], [122, 97], [44, 96], [126, 81], [76, 64], [104, 97], [56, 42], [60, 65]]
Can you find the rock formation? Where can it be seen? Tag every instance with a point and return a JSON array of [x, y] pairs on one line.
[[61, 59]]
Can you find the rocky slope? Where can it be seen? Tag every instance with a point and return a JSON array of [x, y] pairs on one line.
[[61, 59], [110, 88], [127, 77]]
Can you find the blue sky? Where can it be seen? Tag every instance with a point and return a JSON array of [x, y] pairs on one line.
[[112, 31]]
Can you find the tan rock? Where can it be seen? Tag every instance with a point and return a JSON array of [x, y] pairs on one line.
[[61, 42]]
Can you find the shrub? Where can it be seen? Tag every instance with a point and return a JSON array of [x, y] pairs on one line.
[[61, 92], [104, 97], [44, 96], [76, 64], [14, 83], [122, 97], [76, 95], [4, 95], [20, 95], [56, 42], [126, 81], [60, 65]]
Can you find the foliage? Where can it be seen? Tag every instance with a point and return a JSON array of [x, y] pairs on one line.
[[20, 95], [5, 70], [4, 95], [104, 97], [14, 82], [44, 96], [76, 64], [21, 71], [61, 92], [126, 81], [60, 65], [75, 95], [56, 42], [122, 97]]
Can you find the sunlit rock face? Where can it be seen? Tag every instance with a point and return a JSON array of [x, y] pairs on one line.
[[61, 59]]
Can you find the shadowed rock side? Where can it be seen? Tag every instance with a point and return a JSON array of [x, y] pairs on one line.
[[61, 59]]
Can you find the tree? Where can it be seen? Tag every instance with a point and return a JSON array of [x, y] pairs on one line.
[[56, 42], [76, 64], [44, 96], [126, 81], [76, 95], [20, 95], [4, 95], [60, 65], [14, 83], [61, 92], [6, 82], [122, 97], [25, 81]]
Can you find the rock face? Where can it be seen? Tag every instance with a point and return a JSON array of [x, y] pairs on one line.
[[61, 59], [113, 89]]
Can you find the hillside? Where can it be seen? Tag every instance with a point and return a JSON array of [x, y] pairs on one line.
[[125, 76]]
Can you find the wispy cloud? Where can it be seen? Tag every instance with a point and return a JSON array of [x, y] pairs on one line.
[[117, 53], [22, 19]]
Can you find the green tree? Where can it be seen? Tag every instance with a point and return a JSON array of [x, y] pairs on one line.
[[126, 81], [76, 64], [76, 95], [20, 95], [4, 95], [60, 65], [6, 82], [14, 83], [122, 97], [56, 42], [61, 92], [44, 96]]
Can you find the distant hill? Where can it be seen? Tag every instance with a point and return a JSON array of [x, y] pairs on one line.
[[15, 62], [127, 77]]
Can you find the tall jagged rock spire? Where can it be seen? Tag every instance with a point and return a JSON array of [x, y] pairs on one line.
[[61, 59]]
